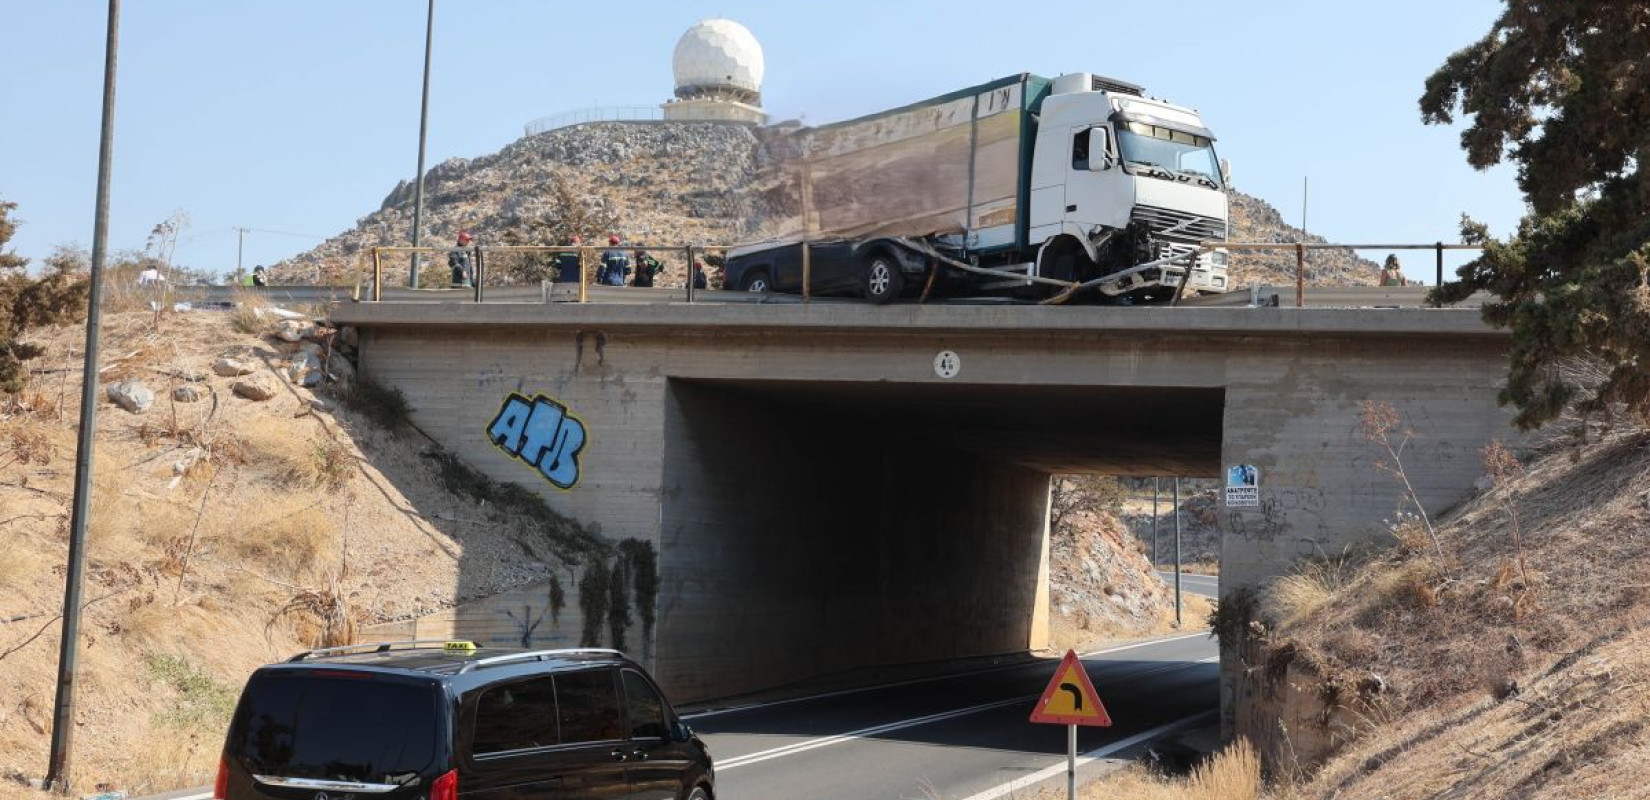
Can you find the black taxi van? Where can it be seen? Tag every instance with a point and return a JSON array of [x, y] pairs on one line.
[[449, 720]]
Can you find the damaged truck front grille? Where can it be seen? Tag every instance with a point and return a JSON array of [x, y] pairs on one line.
[[1179, 225]]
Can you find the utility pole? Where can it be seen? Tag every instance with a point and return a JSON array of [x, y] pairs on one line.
[[1177, 606], [423, 135], [240, 247], [1155, 550], [57, 770]]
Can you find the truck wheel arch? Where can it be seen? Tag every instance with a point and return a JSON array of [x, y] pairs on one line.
[[1069, 234]]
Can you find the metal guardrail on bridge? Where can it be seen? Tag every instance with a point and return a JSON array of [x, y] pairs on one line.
[[374, 287]]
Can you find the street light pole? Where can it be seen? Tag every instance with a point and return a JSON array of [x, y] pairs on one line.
[[423, 135], [1177, 605], [57, 770]]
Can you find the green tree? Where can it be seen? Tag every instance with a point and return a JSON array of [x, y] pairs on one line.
[[1078, 494], [8, 228], [1562, 90], [58, 296]]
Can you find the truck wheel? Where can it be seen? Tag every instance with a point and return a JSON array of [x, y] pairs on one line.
[[758, 282], [883, 279]]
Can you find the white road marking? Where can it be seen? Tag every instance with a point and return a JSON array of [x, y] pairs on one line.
[[827, 741], [815, 744], [1090, 757], [861, 690], [202, 796]]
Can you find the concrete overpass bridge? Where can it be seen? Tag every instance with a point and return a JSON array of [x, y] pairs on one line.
[[839, 485]]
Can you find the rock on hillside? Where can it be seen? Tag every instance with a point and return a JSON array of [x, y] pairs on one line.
[[649, 182], [668, 183], [1255, 220], [1101, 586]]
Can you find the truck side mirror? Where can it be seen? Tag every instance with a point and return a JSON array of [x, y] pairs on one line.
[[1226, 172], [1099, 149]]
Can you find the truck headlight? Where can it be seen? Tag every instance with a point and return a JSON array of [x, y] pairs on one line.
[[1218, 258]]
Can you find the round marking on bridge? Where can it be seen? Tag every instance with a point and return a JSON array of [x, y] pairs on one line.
[[947, 364]]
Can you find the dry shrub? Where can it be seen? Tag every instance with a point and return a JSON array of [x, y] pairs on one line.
[[320, 617], [21, 561], [1232, 774], [161, 763], [1311, 586], [292, 540], [123, 527], [247, 316], [1408, 584], [295, 459]]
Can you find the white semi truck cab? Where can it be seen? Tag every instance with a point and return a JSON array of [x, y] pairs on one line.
[[1119, 180]]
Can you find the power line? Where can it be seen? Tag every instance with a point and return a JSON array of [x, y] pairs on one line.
[[286, 233]]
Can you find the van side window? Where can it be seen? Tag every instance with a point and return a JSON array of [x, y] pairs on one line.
[[516, 716], [589, 706], [647, 711]]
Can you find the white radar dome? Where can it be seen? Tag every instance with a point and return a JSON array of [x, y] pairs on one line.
[[718, 56]]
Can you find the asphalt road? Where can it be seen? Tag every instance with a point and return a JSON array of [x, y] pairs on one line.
[[961, 737], [1205, 585]]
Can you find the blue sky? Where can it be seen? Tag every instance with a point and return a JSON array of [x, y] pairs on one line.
[[296, 118]]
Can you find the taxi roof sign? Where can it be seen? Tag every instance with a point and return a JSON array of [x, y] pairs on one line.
[[459, 647], [1070, 698]]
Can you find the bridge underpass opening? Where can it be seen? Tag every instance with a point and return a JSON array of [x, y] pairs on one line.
[[813, 527]]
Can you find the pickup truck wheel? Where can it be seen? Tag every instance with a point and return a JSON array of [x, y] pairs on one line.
[[698, 793], [758, 282], [883, 279]]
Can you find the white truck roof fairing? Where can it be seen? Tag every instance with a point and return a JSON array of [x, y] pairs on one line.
[[1157, 112]]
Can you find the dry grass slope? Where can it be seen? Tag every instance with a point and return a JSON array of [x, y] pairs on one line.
[[1517, 665], [225, 534]]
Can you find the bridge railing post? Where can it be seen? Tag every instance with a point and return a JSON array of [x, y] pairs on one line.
[[478, 271], [807, 271], [377, 275], [584, 274], [692, 272], [1300, 274]]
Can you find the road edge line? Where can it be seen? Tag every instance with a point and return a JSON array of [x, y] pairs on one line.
[[915, 722], [1003, 790]]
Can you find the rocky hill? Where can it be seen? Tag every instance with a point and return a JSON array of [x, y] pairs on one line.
[[663, 183]]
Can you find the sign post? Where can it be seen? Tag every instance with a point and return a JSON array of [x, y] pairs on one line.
[[1071, 700]]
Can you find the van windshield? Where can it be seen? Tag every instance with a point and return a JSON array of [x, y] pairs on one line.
[[366, 730]]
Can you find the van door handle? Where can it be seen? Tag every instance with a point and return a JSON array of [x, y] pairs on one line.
[[619, 755], [1070, 209]]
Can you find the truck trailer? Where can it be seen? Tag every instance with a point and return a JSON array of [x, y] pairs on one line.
[[1026, 186]]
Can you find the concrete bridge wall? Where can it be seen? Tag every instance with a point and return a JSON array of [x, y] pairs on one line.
[[822, 499]]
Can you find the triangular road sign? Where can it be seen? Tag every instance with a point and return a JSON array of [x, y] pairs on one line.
[[1070, 698]]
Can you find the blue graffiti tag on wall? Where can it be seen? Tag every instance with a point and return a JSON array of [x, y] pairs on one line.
[[541, 433]]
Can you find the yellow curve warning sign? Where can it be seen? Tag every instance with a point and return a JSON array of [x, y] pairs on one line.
[[1070, 698]]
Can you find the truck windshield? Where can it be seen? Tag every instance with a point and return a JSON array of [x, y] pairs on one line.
[[1155, 145]]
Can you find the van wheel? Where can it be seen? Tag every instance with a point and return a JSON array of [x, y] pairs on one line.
[[883, 279], [758, 282]]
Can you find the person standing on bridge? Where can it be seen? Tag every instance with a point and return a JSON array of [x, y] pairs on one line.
[[647, 268], [1392, 274], [615, 268], [567, 261], [459, 261]]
